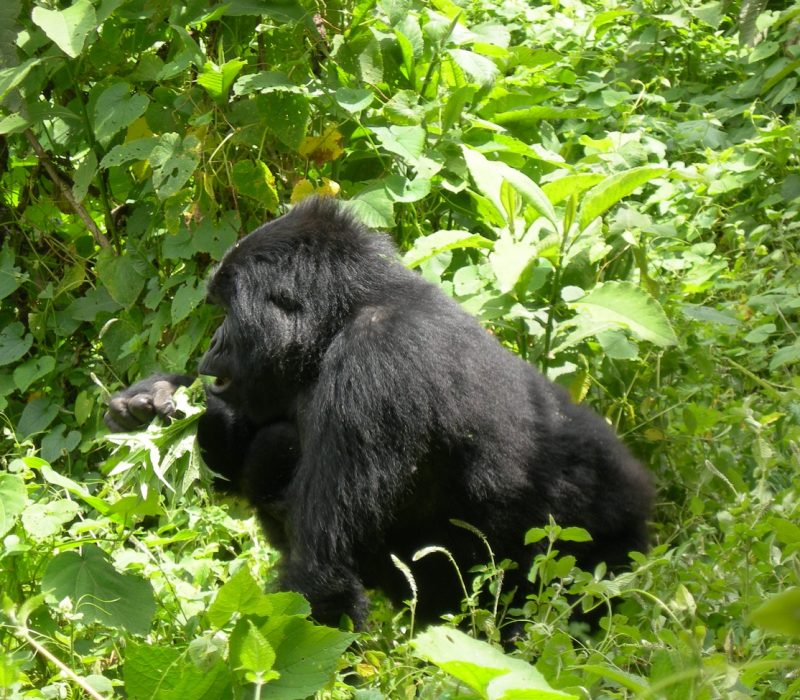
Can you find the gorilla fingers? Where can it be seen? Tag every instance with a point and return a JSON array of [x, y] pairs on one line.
[[137, 405]]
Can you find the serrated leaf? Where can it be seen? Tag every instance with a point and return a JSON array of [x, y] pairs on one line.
[[99, 591], [67, 28], [174, 160], [288, 116], [239, 595], [624, 305], [188, 297], [611, 190], [137, 149], [13, 496], [255, 652], [408, 142], [373, 207]]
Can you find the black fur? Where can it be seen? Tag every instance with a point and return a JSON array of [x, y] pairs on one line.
[[360, 409]]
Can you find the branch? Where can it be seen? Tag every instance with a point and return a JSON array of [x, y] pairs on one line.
[[66, 191]]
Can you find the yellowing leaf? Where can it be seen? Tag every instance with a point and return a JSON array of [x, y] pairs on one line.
[[305, 188], [324, 148]]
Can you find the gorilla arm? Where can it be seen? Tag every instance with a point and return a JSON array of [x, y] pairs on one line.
[[363, 431]]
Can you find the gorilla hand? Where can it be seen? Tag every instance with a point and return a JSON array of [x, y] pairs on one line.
[[137, 405]]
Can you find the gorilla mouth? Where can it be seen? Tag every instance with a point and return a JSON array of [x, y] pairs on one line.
[[220, 384]]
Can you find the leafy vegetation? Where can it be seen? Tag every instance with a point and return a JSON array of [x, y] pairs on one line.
[[612, 187]]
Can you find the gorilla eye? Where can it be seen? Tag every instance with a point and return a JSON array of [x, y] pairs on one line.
[[286, 303]]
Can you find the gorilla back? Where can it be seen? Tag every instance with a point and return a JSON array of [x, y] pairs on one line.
[[360, 410]]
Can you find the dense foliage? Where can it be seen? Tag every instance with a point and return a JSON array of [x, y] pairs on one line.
[[612, 187]]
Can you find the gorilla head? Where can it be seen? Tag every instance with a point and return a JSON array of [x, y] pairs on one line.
[[287, 289]]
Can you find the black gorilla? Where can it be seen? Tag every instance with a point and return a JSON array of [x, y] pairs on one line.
[[360, 409]]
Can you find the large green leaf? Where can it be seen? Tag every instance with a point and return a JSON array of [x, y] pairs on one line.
[[624, 305], [121, 276], [605, 195], [67, 28], [168, 673], [487, 670], [99, 591], [780, 613], [217, 80], [173, 160], [115, 109], [426, 247], [13, 344], [240, 594], [489, 176], [13, 496], [306, 655]]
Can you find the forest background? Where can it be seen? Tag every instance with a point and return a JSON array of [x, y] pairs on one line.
[[612, 187]]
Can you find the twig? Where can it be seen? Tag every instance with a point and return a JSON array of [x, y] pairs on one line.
[[66, 191], [23, 632]]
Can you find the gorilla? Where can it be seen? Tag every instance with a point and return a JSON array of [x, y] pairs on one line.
[[360, 410]]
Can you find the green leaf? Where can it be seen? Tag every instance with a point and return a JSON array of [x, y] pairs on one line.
[[13, 124], [306, 655], [254, 179], [43, 520], [605, 195], [482, 667], [288, 116], [11, 277], [136, 149], [35, 368], [188, 297], [401, 189], [354, 100], [36, 416], [13, 496], [373, 207], [489, 176], [11, 77], [559, 190], [478, 68], [168, 673], [67, 28], [217, 80], [13, 344], [174, 160], [116, 109], [780, 613], [408, 142], [266, 81], [239, 595], [427, 247], [99, 591], [121, 276], [624, 305], [255, 653]]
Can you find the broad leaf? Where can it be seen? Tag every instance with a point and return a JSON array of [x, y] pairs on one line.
[[13, 496], [482, 667], [624, 305], [67, 28], [605, 195], [115, 109], [426, 247], [99, 591]]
